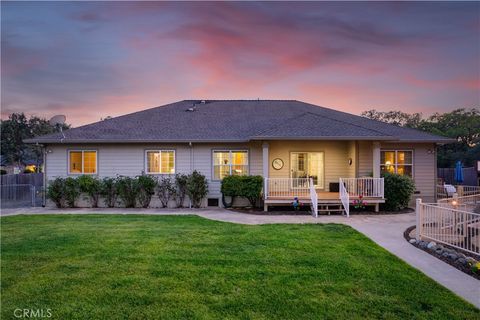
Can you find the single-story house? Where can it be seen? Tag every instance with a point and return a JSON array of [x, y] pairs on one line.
[[318, 154]]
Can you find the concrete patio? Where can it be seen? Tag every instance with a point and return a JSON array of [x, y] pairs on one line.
[[385, 230]]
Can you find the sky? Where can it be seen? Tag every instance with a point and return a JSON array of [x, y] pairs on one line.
[[89, 60]]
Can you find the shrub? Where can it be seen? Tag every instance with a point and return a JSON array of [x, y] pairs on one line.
[[2, 171], [166, 190], [230, 187], [28, 171], [197, 188], [72, 191], [251, 188], [56, 192], [108, 189], [476, 267], [146, 189], [398, 191], [181, 188], [128, 190], [91, 186]]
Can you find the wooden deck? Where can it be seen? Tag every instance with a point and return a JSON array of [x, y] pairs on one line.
[[323, 197]]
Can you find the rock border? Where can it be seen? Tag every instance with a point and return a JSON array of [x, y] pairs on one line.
[[460, 260]]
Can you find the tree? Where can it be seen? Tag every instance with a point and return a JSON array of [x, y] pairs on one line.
[[398, 118], [462, 125], [15, 130]]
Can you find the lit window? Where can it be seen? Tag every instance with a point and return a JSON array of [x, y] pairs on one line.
[[160, 162], [308, 165], [82, 162], [230, 162], [397, 161]]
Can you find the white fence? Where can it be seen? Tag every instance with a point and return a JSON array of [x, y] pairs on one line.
[[344, 197], [365, 187], [448, 225], [314, 199], [460, 191], [287, 188]]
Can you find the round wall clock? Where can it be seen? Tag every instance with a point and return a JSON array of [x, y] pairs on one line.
[[277, 164]]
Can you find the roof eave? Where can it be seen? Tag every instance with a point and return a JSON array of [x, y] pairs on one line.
[[343, 138], [437, 141], [124, 141]]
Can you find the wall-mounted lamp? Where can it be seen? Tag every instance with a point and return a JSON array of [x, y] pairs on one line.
[[350, 161]]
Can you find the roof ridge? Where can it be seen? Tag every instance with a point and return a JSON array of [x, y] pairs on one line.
[[350, 123]]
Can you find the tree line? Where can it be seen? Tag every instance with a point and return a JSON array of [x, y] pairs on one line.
[[463, 125]]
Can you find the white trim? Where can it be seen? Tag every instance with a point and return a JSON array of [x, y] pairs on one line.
[[396, 164], [230, 164], [83, 162], [160, 161]]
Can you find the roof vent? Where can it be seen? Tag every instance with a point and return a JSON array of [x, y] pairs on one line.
[[192, 108]]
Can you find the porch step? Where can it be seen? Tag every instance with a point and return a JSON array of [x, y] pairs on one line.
[[330, 208]]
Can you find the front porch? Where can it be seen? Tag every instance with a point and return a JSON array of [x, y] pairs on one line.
[[322, 173], [282, 191]]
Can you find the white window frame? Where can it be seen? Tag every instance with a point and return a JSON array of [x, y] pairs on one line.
[[396, 161], [160, 162], [83, 162], [230, 165]]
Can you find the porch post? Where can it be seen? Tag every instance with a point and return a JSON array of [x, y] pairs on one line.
[[376, 165], [265, 167], [376, 159]]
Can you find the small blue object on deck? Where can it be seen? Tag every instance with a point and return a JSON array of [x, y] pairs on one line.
[[459, 172]]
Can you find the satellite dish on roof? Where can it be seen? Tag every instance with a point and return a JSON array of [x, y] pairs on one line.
[[58, 120]]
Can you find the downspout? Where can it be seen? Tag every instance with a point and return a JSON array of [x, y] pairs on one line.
[[191, 166], [44, 194]]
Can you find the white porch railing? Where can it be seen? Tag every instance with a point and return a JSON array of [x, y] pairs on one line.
[[344, 197], [365, 187], [447, 225], [314, 199], [460, 191], [287, 188]]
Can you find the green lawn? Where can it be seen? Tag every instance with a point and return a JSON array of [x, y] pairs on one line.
[[141, 267]]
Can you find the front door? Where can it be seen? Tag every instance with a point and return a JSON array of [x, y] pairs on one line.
[[307, 165]]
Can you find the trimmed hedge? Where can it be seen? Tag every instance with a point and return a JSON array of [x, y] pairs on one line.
[[249, 187]]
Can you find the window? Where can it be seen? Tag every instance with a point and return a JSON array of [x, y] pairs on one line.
[[160, 161], [82, 162], [397, 161], [229, 162], [308, 165]]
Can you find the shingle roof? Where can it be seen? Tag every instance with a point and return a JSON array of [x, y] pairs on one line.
[[236, 120]]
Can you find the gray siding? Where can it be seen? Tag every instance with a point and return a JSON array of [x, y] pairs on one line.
[[424, 173], [129, 160]]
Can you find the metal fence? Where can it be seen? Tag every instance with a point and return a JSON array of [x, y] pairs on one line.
[[21, 190]]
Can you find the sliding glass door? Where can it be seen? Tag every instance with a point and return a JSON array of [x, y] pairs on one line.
[[308, 165]]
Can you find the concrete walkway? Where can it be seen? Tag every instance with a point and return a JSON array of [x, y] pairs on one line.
[[385, 230]]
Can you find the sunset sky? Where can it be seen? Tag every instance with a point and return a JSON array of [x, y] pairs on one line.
[[97, 59]]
